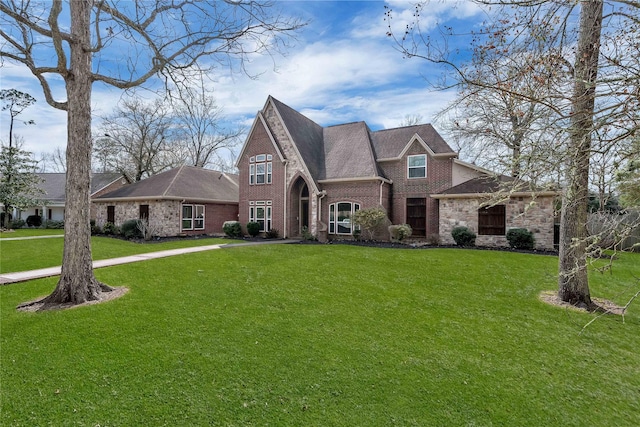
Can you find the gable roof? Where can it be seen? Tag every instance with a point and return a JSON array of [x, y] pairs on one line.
[[53, 184], [391, 144], [183, 183], [348, 153], [352, 150]]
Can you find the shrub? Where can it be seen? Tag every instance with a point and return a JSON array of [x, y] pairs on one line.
[[253, 228], [463, 236], [306, 234], [57, 225], [433, 239], [273, 233], [400, 232], [34, 220], [146, 230], [521, 238], [232, 229], [370, 220], [17, 223], [95, 229], [130, 229], [110, 229]]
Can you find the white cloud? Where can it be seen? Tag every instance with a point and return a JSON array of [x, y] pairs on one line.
[[335, 74]]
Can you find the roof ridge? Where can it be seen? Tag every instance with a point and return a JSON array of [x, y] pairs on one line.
[[166, 190]]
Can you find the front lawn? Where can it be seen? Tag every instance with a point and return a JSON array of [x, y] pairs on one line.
[[22, 255], [324, 335], [30, 232]]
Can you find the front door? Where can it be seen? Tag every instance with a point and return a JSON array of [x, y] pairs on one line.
[[417, 215]]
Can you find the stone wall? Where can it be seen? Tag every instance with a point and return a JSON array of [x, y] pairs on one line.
[[536, 216]]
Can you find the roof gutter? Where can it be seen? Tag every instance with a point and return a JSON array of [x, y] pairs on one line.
[[356, 179]]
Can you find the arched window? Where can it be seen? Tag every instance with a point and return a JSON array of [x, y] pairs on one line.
[[340, 217]]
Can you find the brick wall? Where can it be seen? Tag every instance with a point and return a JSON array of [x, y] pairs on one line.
[[536, 216], [165, 215], [439, 177]]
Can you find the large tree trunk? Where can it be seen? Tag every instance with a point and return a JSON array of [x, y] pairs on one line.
[[573, 283], [77, 283]]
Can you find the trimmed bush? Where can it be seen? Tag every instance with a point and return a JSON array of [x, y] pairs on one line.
[[130, 229], [273, 233], [34, 220], [253, 228], [110, 229], [232, 229], [16, 223], [521, 238], [400, 232], [55, 225], [463, 236], [370, 220]]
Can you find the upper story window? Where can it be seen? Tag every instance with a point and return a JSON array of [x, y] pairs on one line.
[[340, 217], [417, 166], [260, 169]]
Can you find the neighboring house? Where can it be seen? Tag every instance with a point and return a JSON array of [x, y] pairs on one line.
[[297, 175], [54, 196], [182, 201]]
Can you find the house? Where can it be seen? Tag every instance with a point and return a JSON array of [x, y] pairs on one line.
[[296, 175], [53, 196], [182, 201]]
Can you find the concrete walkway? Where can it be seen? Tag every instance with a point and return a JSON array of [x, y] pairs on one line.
[[22, 276]]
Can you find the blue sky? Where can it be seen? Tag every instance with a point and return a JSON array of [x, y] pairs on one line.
[[342, 68]]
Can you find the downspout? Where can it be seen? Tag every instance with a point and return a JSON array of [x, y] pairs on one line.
[[381, 185], [321, 194], [284, 207]]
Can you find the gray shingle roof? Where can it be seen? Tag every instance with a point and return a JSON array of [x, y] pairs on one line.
[[389, 143], [351, 150], [348, 152], [307, 136], [185, 182], [483, 184], [53, 184]]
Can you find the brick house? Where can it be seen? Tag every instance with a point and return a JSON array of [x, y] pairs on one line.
[[296, 174], [182, 201]]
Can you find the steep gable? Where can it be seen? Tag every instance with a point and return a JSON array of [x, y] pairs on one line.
[[348, 152], [306, 135], [392, 143]]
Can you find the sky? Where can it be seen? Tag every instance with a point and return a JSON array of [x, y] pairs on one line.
[[341, 68]]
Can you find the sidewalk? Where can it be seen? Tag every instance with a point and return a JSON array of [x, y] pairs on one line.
[[22, 276]]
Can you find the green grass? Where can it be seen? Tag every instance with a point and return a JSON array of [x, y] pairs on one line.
[[324, 336], [23, 255], [30, 232]]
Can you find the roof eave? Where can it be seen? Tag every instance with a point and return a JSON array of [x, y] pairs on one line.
[[531, 194]]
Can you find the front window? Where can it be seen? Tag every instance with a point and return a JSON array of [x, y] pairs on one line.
[[260, 169], [193, 217], [340, 217], [417, 166], [260, 212], [491, 221]]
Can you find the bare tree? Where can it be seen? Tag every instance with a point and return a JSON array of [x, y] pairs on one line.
[[78, 42], [135, 137], [601, 93], [198, 120]]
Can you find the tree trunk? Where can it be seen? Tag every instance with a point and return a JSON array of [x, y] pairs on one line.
[[573, 283], [77, 283]]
